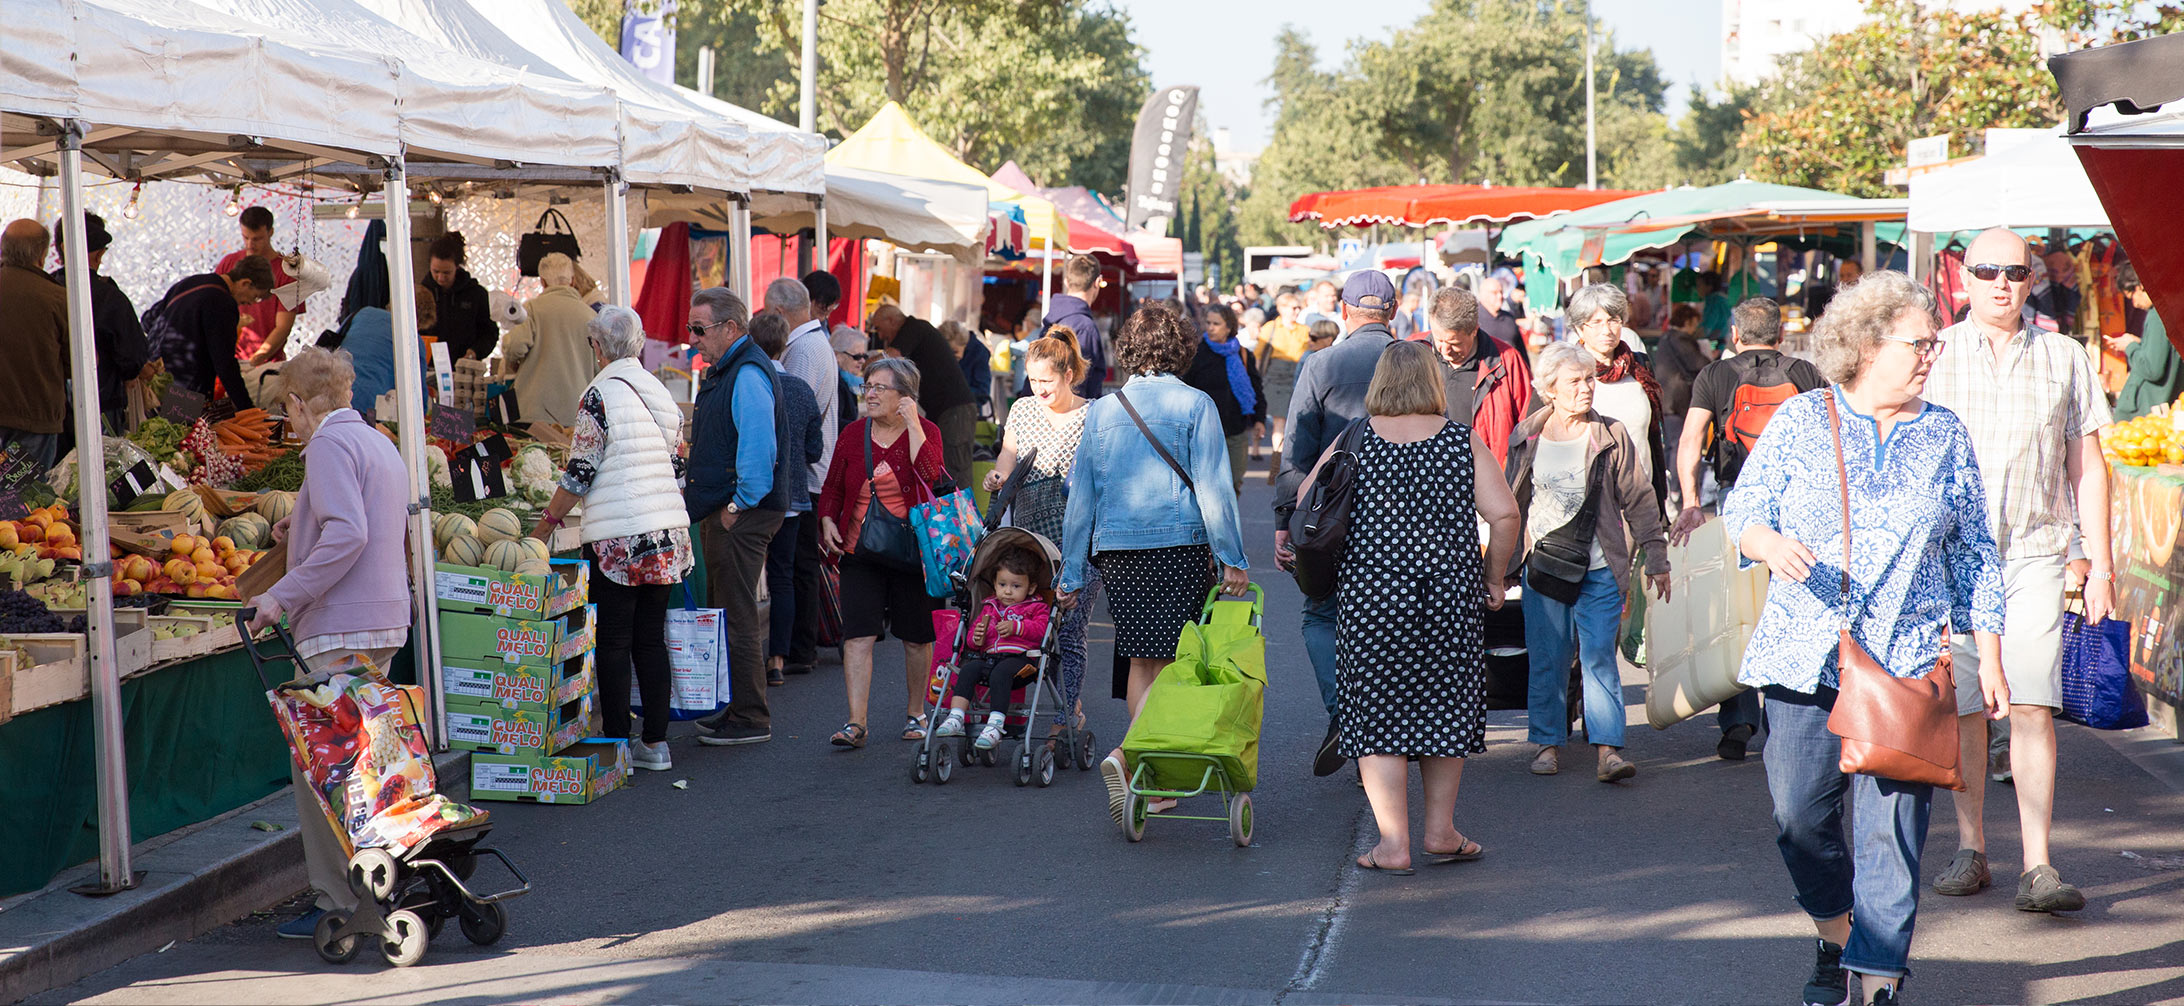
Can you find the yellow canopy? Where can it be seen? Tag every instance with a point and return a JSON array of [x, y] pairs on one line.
[[894, 144]]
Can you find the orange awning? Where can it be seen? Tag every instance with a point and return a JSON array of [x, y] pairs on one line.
[[1429, 205]]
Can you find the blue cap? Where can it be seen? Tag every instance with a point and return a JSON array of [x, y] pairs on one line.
[[1369, 288]]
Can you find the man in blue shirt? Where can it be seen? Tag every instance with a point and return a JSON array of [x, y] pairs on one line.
[[737, 492]]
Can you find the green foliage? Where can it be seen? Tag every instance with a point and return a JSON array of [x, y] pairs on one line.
[[1206, 212]]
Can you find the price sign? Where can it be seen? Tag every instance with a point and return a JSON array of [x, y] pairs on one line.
[[501, 408], [494, 448], [181, 405], [476, 478], [141, 478], [17, 468], [452, 423]]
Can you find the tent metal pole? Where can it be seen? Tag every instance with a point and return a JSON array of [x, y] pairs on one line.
[[1868, 248], [409, 392], [1046, 279], [739, 266], [617, 192], [98, 567]]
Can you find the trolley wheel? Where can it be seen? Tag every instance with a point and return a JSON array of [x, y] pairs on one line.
[[989, 758], [1133, 818], [404, 939], [373, 874], [1042, 768], [920, 767], [1239, 820], [944, 762], [331, 950], [1065, 750], [1085, 748], [484, 924], [1023, 767]]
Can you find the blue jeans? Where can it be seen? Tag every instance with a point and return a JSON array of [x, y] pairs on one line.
[[781, 584], [1549, 626], [1319, 644], [1873, 873], [1742, 710]]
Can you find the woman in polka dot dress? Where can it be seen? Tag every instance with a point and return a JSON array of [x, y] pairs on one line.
[[1410, 659]]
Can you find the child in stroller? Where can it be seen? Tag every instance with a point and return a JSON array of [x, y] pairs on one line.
[[1008, 626]]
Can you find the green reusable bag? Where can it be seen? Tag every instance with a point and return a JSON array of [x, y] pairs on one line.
[[1209, 701]]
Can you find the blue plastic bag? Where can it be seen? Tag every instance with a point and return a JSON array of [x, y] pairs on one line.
[[2097, 688]]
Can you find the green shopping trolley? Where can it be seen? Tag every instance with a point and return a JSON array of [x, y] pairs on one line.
[[1198, 730]]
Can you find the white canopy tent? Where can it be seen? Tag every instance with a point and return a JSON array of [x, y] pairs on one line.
[[916, 213], [2028, 178]]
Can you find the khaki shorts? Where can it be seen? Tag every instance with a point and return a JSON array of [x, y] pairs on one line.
[[2032, 638]]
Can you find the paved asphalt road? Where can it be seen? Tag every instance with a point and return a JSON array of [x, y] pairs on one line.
[[790, 872]]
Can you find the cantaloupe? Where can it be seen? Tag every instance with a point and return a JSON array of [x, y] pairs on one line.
[[504, 555], [248, 531], [499, 524], [453, 525], [185, 502], [534, 567], [275, 505], [462, 550], [534, 549]]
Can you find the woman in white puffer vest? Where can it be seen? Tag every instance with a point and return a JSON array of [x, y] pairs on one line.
[[626, 467]]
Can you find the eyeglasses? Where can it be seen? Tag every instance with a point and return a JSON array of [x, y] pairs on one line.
[[1987, 271], [871, 387], [1926, 347], [698, 331], [1598, 322]]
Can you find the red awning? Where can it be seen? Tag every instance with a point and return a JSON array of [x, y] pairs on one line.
[[2138, 186], [1085, 238], [1429, 205]]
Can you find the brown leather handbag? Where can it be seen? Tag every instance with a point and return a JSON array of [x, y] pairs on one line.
[[1903, 729]]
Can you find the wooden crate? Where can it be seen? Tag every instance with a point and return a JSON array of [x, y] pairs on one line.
[[184, 647]]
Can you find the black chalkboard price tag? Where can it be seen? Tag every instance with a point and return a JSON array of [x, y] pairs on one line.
[[141, 478], [452, 423], [180, 405]]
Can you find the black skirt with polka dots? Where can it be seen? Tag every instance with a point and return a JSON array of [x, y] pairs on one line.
[[1152, 593]]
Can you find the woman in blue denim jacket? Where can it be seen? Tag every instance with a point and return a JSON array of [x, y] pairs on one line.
[[1151, 506], [1923, 560]]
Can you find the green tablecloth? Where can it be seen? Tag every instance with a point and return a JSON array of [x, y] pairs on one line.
[[201, 742]]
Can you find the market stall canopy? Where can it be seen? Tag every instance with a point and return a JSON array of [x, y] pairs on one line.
[[2136, 161], [1086, 234], [1085, 204], [1432, 205], [915, 213], [2028, 178], [1567, 244], [1005, 231], [893, 144], [1157, 254]]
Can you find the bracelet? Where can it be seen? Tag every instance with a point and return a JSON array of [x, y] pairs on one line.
[[550, 520], [2104, 574]]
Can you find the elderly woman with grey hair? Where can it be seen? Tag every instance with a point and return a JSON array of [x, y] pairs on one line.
[[626, 467], [1626, 389], [1586, 502], [553, 362], [1925, 560]]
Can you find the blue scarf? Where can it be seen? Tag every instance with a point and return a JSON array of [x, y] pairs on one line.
[[1239, 380], [856, 382]]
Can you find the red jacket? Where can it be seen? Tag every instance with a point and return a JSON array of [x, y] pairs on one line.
[[844, 488], [1016, 629], [1503, 392]]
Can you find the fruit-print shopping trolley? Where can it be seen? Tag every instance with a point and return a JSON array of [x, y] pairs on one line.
[[358, 741]]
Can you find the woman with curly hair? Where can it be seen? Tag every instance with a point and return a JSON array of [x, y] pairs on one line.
[[1151, 507]]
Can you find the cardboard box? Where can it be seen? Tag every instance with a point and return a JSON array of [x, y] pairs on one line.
[[481, 590], [585, 772], [466, 640], [519, 686], [483, 726]]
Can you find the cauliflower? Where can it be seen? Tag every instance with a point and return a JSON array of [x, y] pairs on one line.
[[436, 467], [533, 474]]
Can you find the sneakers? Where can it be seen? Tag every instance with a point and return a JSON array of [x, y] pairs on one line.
[[1966, 874], [952, 726], [1734, 742], [990, 735], [1830, 984], [1886, 996], [2041, 889], [650, 756], [302, 927], [732, 733], [1547, 762]]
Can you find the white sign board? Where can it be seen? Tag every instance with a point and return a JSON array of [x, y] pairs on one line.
[[1926, 150], [1350, 253]]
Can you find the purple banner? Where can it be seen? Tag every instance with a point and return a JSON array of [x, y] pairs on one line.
[[648, 38]]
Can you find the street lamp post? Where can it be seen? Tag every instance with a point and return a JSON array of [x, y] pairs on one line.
[[1592, 180]]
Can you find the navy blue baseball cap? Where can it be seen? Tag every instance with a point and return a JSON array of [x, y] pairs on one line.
[[1369, 288]]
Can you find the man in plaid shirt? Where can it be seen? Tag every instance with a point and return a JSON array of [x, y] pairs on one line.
[[2035, 410]]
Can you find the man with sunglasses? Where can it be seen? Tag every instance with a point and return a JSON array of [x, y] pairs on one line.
[[2035, 409]]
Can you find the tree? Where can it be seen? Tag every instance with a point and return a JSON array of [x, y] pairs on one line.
[[1053, 84], [1473, 91], [1206, 211]]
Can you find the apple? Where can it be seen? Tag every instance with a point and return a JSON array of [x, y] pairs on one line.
[[125, 587], [237, 562], [160, 585], [196, 590], [69, 552], [30, 532]]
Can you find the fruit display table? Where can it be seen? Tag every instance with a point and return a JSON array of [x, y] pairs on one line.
[[201, 742], [2148, 509]]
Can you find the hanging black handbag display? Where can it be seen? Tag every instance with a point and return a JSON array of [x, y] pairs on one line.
[[1319, 529], [1558, 563], [541, 242]]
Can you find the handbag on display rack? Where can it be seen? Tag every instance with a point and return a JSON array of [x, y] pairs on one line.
[[541, 242]]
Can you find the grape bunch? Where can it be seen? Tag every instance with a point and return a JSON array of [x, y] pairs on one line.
[[21, 613], [79, 623]]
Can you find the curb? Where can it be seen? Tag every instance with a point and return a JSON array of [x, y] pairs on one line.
[[196, 879]]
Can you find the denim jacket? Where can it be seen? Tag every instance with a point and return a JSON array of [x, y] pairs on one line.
[[1122, 496]]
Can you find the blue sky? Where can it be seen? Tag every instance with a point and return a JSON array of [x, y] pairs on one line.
[[1226, 46]]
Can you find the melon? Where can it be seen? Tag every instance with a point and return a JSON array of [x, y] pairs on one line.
[[453, 525], [534, 549], [499, 524], [185, 502], [462, 550], [534, 567], [248, 531], [275, 505], [504, 555]]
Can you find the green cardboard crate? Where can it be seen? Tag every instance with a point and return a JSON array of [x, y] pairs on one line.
[[483, 726], [588, 770], [467, 638], [512, 686], [484, 590]]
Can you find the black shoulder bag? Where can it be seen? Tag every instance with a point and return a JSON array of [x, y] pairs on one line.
[[541, 242], [885, 539], [1319, 529], [1559, 561]]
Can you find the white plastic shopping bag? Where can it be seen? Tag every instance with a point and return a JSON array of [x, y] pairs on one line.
[[697, 658]]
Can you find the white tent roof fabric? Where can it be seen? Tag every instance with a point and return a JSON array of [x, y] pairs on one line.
[[2035, 181], [915, 213]]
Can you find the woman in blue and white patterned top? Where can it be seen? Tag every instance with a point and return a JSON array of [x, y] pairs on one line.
[[1923, 559]]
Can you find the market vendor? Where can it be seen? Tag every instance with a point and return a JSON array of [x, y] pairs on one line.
[[463, 310], [2156, 376], [346, 591], [201, 315], [266, 322]]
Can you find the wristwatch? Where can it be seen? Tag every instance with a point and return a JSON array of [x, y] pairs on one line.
[[732, 508]]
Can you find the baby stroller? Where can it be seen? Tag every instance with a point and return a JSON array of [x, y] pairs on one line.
[[1038, 686], [357, 739]]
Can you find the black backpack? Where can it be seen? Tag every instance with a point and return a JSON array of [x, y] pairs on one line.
[[1319, 529]]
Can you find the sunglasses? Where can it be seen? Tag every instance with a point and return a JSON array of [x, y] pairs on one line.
[[1926, 347], [698, 331], [1986, 272], [859, 357]]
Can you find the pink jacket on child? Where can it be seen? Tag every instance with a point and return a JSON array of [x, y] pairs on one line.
[[1015, 629]]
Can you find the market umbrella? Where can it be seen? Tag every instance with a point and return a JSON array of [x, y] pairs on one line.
[[1432, 205]]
